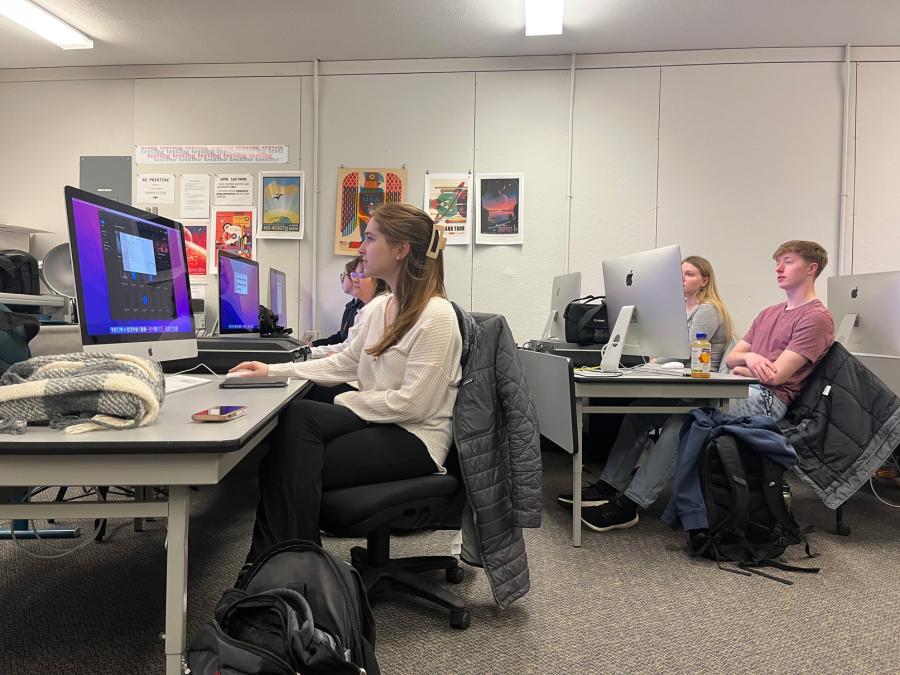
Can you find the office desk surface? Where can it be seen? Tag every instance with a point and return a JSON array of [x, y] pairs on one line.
[[645, 385], [173, 431]]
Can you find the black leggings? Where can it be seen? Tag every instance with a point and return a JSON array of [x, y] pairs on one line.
[[321, 446]]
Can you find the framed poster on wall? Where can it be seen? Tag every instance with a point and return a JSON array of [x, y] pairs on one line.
[[359, 193], [281, 205], [500, 207]]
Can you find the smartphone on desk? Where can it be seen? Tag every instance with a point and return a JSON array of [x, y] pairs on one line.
[[222, 413]]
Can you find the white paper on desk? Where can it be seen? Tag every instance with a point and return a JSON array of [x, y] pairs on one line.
[[195, 195], [234, 189], [156, 188]]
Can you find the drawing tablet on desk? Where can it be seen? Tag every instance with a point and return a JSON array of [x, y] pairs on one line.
[[266, 382]]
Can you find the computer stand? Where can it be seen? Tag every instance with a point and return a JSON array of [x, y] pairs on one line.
[[612, 357], [548, 326]]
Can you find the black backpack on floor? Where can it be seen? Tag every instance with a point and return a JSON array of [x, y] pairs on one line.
[[749, 522], [298, 609], [19, 274]]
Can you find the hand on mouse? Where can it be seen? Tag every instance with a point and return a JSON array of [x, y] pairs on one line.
[[256, 368]]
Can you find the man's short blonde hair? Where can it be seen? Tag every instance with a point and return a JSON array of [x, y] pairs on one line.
[[810, 251]]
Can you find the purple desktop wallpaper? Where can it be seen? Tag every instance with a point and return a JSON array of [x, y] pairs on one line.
[[238, 296], [97, 312]]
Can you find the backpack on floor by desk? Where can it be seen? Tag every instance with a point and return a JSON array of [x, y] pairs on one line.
[[297, 609], [750, 523]]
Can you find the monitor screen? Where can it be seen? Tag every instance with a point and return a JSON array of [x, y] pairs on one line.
[[278, 295], [130, 270], [238, 294]]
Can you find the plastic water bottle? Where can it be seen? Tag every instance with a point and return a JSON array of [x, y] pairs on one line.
[[701, 355]]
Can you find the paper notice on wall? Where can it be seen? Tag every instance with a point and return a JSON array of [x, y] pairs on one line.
[[194, 195], [211, 154], [234, 189], [156, 188], [198, 291]]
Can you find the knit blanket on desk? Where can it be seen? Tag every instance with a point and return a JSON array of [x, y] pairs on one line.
[[81, 392]]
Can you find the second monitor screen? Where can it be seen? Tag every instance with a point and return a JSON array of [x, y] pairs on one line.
[[238, 295]]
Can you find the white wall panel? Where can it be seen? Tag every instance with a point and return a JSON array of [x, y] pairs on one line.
[[522, 126], [613, 168], [749, 157], [45, 128], [876, 221], [424, 121]]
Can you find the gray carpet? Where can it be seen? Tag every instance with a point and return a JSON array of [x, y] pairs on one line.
[[628, 601]]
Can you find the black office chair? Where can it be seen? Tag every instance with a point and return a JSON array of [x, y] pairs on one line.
[[372, 511]]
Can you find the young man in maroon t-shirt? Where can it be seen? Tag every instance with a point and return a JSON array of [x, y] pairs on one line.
[[787, 340]]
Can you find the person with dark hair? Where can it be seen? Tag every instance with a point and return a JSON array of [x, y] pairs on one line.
[[364, 289], [350, 309], [405, 357]]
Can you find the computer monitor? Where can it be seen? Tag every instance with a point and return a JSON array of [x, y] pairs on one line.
[[864, 307], [278, 295], [566, 288], [644, 293], [238, 295], [131, 279]]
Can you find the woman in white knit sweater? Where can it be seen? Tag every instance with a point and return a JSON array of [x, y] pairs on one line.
[[405, 357]]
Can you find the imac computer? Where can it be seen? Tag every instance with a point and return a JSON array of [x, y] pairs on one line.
[[566, 288], [864, 307], [278, 295], [645, 297], [131, 279], [238, 296]]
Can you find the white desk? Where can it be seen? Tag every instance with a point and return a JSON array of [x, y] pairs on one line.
[[714, 391], [174, 452], [561, 402]]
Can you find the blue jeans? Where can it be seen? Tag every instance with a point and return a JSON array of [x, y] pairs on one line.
[[657, 469], [761, 402]]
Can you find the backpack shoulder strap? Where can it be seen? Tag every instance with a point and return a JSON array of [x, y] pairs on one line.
[[737, 519]]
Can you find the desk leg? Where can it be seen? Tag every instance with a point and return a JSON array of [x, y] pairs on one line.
[[140, 494], [576, 474], [176, 577]]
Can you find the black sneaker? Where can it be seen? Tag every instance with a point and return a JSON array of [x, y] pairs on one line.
[[593, 495], [618, 514]]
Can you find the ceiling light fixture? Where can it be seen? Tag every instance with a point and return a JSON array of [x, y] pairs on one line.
[[40, 21], [544, 17]]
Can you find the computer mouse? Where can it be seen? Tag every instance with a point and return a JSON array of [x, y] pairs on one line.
[[239, 373], [673, 365]]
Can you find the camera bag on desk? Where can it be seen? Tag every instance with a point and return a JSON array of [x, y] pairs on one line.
[[587, 321], [297, 609]]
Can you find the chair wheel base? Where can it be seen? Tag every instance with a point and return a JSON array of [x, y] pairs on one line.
[[455, 575], [460, 620]]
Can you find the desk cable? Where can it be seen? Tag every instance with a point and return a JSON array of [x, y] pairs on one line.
[[875, 492], [62, 553], [199, 365]]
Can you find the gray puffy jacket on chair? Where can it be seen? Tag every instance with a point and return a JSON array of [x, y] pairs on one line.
[[498, 445], [844, 425]]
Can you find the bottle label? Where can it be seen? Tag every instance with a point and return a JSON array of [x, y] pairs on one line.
[[700, 359]]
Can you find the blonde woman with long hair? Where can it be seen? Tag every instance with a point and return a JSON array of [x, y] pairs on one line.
[[612, 502], [405, 357]]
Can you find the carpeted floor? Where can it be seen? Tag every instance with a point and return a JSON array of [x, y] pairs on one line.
[[628, 601]]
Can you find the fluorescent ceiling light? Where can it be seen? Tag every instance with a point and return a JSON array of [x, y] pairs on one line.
[[544, 17], [42, 22]]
